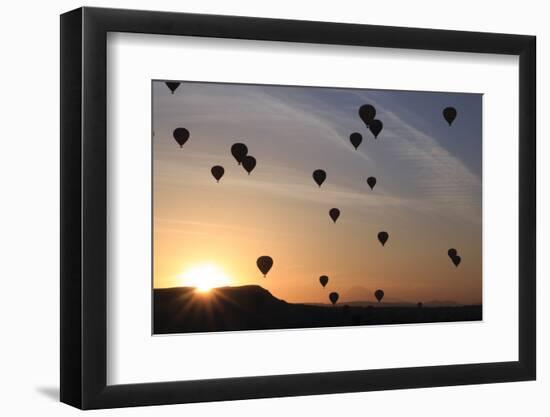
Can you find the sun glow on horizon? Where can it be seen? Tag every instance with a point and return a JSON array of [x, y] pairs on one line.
[[204, 277]]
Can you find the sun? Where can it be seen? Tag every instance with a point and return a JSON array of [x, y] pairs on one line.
[[204, 277]]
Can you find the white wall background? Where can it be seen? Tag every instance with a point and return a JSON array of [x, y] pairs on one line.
[[29, 225]]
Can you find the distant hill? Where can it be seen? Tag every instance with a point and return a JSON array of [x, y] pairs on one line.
[[251, 307], [434, 303]]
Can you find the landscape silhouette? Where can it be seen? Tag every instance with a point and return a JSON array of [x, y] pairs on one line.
[[251, 307]]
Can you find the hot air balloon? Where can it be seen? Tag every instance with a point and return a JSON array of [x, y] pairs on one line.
[[449, 113], [181, 135], [456, 260], [264, 264], [333, 297], [249, 162], [334, 213], [383, 237], [376, 127], [355, 139], [172, 86], [217, 172], [453, 254], [371, 181], [319, 176], [419, 305], [323, 279], [379, 294], [367, 113], [239, 151]]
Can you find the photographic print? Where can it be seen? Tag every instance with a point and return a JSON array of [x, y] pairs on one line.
[[288, 207]]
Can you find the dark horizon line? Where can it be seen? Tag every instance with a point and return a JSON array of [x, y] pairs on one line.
[[441, 303]]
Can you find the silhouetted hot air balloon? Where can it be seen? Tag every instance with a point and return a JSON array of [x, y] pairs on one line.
[[172, 86], [181, 135], [217, 172], [319, 176], [367, 113], [323, 279], [419, 305], [383, 237], [376, 127], [264, 264], [379, 294], [371, 181], [449, 113], [333, 297], [239, 151], [334, 213], [453, 254], [456, 260], [355, 139], [249, 162]]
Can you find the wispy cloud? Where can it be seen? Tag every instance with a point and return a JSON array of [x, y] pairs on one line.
[[290, 129]]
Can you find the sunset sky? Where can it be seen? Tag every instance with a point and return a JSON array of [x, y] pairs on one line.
[[428, 194]]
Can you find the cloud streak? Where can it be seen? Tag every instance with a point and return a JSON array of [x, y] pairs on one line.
[[424, 174]]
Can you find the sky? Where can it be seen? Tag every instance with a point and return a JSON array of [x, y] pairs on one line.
[[427, 196]]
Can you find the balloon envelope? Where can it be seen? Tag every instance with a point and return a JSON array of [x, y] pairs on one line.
[[379, 294], [239, 151], [172, 86], [249, 162], [376, 127], [383, 237], [371, 181], [264, 264], [217, 172], [367, 112], [319, 176], [456, 260], [323, 279], [449, 113], [334, 213], [181, 135], [355, 139], [453, 254], [333, 297]]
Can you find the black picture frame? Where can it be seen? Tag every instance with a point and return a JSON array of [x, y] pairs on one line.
[[84, 207]]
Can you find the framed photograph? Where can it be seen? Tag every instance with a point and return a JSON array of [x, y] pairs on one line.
[[258, 208]]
